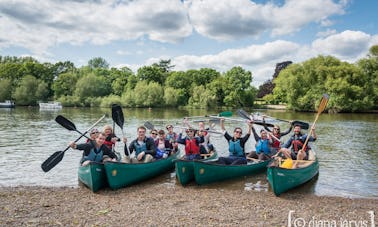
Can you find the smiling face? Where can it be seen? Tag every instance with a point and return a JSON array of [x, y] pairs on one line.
[[100, 139], [238, 133], [141, 133], [297, 129]]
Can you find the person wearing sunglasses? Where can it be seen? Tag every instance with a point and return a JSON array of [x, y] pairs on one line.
[[277, 134], [236, 144], [154, 135], [192, 143]]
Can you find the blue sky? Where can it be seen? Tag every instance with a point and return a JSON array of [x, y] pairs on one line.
[[217, 34]]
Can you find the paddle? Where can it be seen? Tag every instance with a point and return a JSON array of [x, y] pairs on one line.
[[304, 125], [322, 106], [149, 125], [117, 116], [221, 114], [55, 158], [68, 124], [243, 114]]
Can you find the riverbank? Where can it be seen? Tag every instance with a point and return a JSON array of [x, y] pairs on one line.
[[159, 205]]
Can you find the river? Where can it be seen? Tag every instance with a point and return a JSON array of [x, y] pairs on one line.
[[346, 147]]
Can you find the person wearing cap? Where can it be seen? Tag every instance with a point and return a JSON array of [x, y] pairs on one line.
[[263, 145], [92, 135], [236, 144], [191, 142]]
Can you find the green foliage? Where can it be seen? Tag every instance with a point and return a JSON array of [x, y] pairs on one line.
[[151, 74], [201, 98], [30, 91], [109, 100], [98, 63], [91, 86], [148, 94], [238, 87], [64, 84], [174, 97], [5, 89]]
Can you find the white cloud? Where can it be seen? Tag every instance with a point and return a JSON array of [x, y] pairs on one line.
[[347, 45]]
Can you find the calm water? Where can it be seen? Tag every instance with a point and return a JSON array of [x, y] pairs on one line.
[[347, 148]]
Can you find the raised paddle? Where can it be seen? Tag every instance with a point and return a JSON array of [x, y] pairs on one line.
[[118, 118], [322, 106], [55, 158], [68, 124], [221, 114], [149, 125], [243, 114], [304, 125]]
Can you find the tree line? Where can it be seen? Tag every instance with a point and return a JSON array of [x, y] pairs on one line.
[[353, 87]]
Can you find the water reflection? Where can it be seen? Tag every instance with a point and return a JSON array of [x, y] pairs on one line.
[[346, 148]]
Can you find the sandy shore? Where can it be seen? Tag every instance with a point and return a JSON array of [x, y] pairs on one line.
[[158, 205]]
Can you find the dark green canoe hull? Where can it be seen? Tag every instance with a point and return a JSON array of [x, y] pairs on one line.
[[282, 180], [93, 176], [125, 174], [208, 172], [185, 169]]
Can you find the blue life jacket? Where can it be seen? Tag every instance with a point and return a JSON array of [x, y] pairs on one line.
[[263, 146], [94, 156], [139, 148], [235, 148]]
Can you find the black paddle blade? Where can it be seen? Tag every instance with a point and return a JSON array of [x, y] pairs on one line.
[[304, 125], [149, 125], [117, 115], [243, 114], [65, 123], [52, 161]]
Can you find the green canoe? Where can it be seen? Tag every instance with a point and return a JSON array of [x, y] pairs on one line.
[[282, 179], [185, 168], [208, 172], [121, 174], [93, 176]]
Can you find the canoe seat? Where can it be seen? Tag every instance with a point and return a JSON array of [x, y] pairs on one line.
[[304, 163]]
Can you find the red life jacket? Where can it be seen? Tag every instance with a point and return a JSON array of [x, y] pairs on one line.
[[191, 146], [276, 143], [297, 145]]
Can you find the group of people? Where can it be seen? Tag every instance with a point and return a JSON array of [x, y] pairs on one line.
[[159, 144], [268, 144]]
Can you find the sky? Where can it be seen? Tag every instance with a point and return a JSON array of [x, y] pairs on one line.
[[194, 34]]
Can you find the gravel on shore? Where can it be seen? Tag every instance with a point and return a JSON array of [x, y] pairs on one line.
[[159, 205]]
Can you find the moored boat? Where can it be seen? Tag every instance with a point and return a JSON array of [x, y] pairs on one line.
[[185, 168], [50, 105], [93, 176], [208, 172], [7, 104], [283, 179], [121, 174]]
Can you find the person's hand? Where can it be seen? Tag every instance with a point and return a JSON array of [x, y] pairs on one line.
[[124, 139], [114, 139], [140, 155], [250, 123], [72, 144]]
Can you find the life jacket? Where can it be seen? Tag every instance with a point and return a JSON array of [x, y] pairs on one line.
[[263, 146], [171, 137], [297, 143], [191, 146], [235, 148], [93, 155], [108, 141], [276, 143], [139, 148]]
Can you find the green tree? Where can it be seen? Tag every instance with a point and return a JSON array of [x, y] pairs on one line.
[[238, 87], [64, 84], [25, 93], [98, 63], [5, 89], [201, 98], [174, 97], [151, 74], [91, 86]]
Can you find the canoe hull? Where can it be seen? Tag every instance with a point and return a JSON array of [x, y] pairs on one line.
[[93, 176], [185, 169], [282, 180], [208, 172], [121, 175]]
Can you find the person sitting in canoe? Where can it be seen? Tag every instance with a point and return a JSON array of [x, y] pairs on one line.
[[143, 146], [206, 147], [276, 146], [236, 145], [111, 138], [95, 151], [163, 147], [171, 135], [192, 143], [154, 134], [296, 143], [263, 145], [92, 135]]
